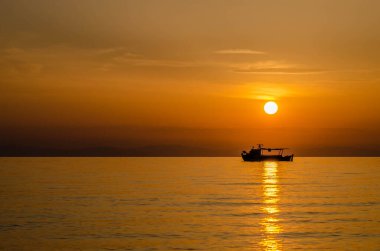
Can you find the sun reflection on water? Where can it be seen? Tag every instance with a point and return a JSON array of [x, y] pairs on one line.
[[271, 228]]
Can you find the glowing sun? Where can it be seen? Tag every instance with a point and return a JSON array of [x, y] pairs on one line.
[[270, 107]]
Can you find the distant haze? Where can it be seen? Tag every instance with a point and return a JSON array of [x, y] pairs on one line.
[[188, 78]]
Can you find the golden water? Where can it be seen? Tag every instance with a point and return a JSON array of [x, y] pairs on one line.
[[189, 204]]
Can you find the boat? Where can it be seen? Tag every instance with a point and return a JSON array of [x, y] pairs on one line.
[[261, 154]]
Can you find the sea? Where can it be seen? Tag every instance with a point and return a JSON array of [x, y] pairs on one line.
[[189, 204]]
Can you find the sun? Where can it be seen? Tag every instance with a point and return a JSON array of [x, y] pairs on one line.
[[270, 107]]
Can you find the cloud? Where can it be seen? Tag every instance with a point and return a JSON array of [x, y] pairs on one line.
[[116, 52], [146, 62], [275, 67], [240, 51], [293, 71], [19, 63]]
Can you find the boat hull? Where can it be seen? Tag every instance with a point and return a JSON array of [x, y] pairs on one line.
[[248, 157]]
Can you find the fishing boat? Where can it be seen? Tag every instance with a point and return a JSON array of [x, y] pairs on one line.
[[263, 153]]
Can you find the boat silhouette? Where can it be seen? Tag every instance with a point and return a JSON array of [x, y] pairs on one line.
[[261, 154]]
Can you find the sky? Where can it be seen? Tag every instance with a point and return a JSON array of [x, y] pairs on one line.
[[189, 78]]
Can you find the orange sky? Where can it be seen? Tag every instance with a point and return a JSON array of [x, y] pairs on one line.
[[189, 77]]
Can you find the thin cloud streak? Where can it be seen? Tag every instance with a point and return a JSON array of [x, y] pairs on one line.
[[294, 71], [240, 51], [275, 67]]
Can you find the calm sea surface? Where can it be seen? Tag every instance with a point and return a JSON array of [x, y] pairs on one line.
[[189, 204]]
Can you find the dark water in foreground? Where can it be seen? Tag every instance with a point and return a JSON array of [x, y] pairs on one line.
[[189, 204]]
